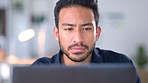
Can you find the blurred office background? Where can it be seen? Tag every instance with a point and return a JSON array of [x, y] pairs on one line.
[[26, 30]]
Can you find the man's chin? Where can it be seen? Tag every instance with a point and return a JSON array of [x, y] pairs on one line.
[[78, 53], [77, 60], [78, 57]]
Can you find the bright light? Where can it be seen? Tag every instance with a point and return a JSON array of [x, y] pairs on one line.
[[5, 71], [26, 35]]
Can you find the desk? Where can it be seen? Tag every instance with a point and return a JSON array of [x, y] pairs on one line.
[[143, 73]]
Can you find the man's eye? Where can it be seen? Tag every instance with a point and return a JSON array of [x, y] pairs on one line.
[[68, 29], [86, 29]]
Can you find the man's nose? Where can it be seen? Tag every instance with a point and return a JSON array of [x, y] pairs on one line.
[[78, 36]]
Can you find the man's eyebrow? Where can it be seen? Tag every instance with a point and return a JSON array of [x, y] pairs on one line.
[[68, 24], [87, 24]]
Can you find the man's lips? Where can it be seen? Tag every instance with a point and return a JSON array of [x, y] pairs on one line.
[[77, 49]]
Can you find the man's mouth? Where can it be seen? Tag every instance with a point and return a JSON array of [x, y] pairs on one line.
[[77, 49]]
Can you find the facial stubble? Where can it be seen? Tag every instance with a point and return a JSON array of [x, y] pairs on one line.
[[65, 51]]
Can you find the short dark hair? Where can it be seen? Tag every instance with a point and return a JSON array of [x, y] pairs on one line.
[[91, 4]]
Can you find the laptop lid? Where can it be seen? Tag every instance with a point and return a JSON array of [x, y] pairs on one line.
[[102, 73]]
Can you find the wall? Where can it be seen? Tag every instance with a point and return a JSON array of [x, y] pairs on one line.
[[124, 27], [124, 32]]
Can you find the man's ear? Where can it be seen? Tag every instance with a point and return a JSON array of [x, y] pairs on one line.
[[98, 31], [56, 33]]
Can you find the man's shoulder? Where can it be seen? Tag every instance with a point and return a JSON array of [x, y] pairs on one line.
[[45, 60], [112, 56], [42, 61]]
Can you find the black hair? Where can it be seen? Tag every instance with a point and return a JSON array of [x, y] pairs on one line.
[[91, 4]]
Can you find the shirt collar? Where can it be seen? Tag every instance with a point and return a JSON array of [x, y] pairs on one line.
[[96, 57]]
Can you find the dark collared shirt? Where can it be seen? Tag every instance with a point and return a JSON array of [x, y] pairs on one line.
[[98, 56]]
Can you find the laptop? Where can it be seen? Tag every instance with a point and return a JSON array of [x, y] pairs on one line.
[[100, 73]]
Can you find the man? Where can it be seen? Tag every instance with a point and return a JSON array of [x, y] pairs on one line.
[[77, 31]]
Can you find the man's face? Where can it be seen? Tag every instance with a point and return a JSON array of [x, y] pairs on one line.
[[77, 32]]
